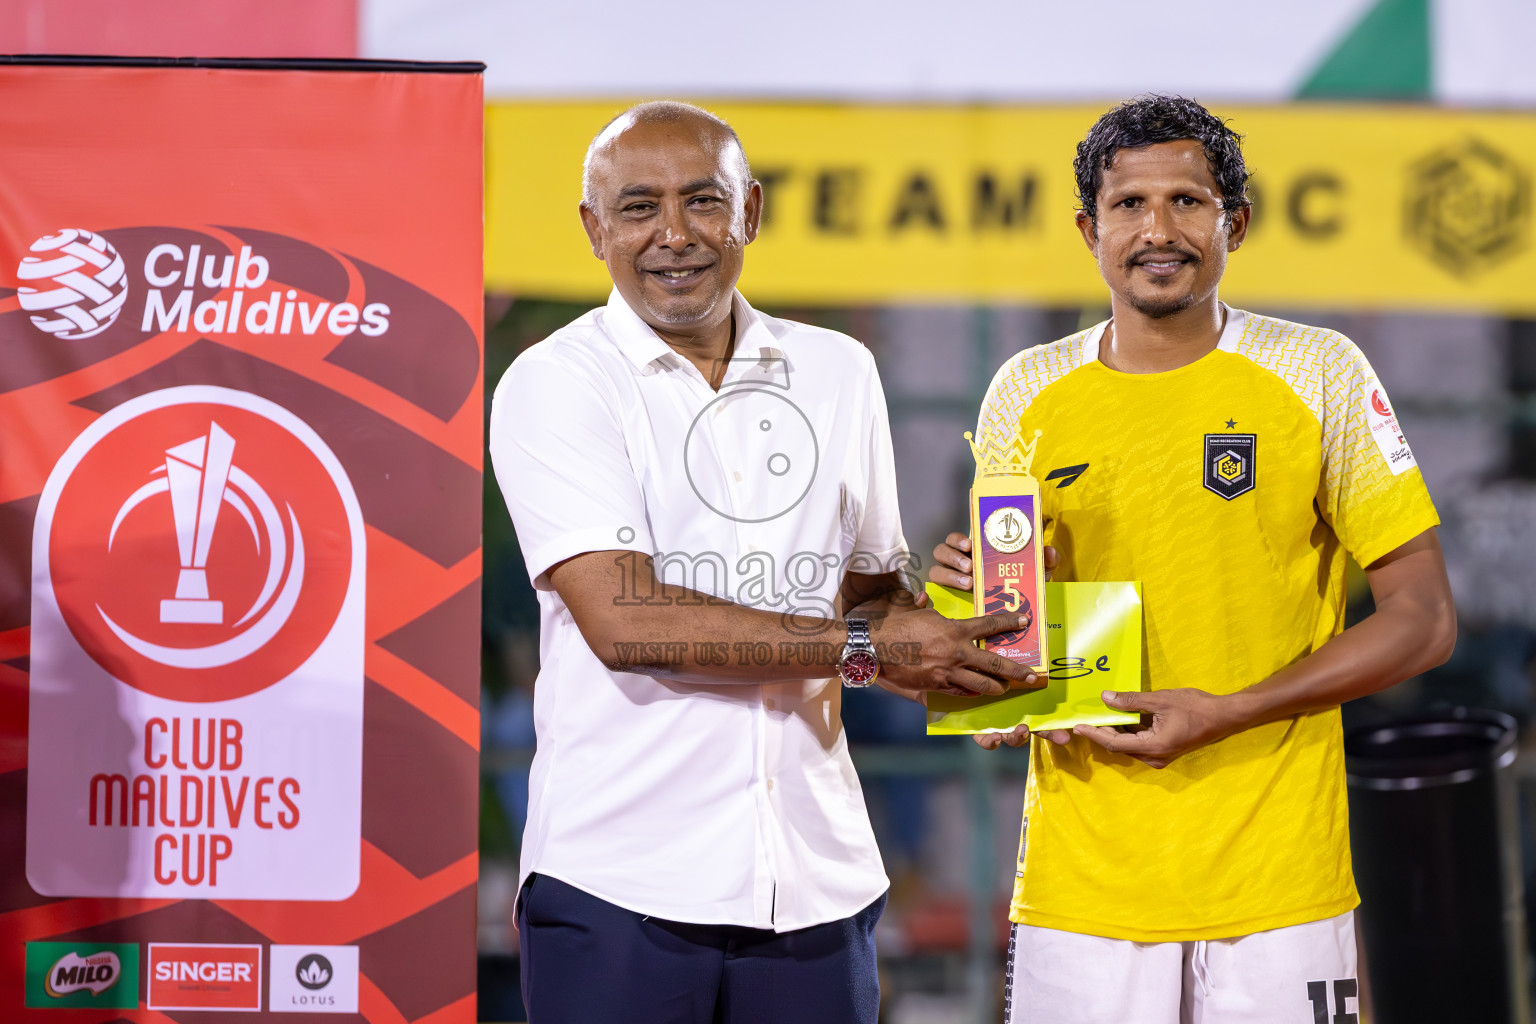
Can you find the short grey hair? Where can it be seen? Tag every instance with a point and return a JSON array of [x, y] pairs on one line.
[[656, 112]]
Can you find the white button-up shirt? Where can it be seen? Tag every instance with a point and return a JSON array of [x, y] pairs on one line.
[[713, 804]]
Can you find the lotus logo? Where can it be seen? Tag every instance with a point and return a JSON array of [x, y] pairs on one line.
[[313, 972]]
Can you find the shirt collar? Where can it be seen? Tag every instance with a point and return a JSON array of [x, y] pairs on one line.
[[634, 336], [1233, 332], [1230, 333], [756, 358]]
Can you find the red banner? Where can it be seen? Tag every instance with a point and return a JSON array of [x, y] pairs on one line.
[[240, 491]]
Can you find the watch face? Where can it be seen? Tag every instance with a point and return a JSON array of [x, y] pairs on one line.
[[859, 667]]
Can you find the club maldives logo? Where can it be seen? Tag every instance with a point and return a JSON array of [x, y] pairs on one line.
[[197, 529], [82, 974], [74, 284]]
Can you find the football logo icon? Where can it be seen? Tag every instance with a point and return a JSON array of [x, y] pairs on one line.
[[199, 545], [73, 283]]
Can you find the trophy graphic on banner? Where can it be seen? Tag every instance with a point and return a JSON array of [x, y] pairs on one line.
[[197, 472], [1007, 555]]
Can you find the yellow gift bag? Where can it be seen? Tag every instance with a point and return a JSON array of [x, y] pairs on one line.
[[1093, 636]]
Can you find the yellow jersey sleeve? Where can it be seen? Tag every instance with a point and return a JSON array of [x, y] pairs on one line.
[[1019, 382], [1371, 492]]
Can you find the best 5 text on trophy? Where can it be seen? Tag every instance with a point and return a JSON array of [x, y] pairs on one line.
[[1007, 554]]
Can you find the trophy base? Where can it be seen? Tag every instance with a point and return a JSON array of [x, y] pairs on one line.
[[203, 612]]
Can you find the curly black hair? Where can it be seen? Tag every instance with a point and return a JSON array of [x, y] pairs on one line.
[[1150, 120]]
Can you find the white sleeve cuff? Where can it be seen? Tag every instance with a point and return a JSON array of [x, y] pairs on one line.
[[580, 542]]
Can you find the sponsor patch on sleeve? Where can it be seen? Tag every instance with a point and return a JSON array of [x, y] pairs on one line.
[[1385, 430]]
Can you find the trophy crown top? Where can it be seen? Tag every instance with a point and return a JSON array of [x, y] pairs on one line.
[[1012, 459]]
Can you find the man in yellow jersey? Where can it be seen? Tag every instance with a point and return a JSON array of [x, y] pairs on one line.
[[1197, 869]]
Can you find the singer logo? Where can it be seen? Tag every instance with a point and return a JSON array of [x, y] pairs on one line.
[[204, 977], [200, 530]]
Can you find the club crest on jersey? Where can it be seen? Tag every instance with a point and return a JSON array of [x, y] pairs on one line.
[[1229, 462]]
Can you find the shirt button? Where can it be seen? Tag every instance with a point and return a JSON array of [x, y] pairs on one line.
[[770, 785], [770, 704], [737, 474]]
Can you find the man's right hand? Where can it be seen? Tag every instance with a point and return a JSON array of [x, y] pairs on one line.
[[930, 652], [952, 562]]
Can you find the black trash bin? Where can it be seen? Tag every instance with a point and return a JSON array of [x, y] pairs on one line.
[[1433, 821]]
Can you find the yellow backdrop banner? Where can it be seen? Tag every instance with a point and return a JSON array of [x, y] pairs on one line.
[[1355, 206]]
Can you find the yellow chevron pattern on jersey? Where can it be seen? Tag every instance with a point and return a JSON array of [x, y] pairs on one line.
[[1331, 376], [1019, 380], [1251, 832]]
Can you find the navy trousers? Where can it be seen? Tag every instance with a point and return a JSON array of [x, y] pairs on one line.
[[586, 961]]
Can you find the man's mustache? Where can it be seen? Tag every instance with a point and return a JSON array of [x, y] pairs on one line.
[[1158, 255]]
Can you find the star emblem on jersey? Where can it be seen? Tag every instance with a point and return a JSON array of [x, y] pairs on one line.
[[1229, 460]]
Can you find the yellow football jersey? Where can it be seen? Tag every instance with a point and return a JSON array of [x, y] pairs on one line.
[[1232, 489]]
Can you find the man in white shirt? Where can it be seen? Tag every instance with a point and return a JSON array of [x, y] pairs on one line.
[[698, 489]]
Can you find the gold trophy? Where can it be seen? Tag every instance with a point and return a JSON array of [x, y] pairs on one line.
[[1007, 553]]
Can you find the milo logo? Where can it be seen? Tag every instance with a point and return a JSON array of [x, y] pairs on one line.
[[73, 972], [65, 974]]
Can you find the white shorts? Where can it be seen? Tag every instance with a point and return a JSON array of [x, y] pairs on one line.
[[1296, 975]]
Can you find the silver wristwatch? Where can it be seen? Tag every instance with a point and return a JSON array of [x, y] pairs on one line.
[[859, 665]]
